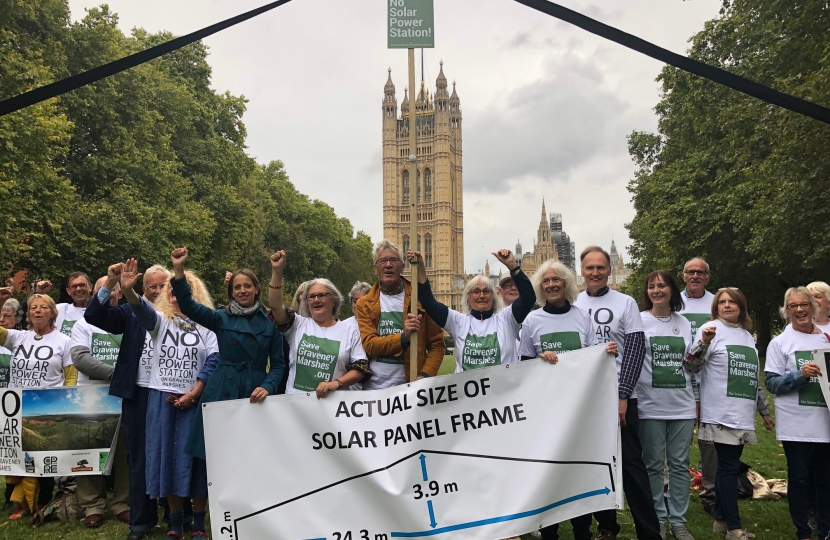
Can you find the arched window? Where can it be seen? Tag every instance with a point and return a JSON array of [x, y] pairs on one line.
[[405, 176], [418, 187], [405, 244], [419, 244], [428, 250], [427, 185]]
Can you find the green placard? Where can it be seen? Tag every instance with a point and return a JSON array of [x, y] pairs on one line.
[[316, 360], [742, 379], [810, 395], [667, 362], [410, 24], [560, 342], [480, 351]]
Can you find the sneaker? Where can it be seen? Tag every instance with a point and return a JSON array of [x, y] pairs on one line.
[[680, 533], [719, 527], [812, 522], [739, 534], [663, 531]]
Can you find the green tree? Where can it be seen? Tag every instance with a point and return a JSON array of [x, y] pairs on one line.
[[727, 177]]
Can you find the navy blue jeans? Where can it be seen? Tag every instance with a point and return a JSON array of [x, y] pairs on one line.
[[726, 484], [143, 511], [807, 461]]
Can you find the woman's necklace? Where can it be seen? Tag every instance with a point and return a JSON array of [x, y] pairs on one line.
[[661, 318]]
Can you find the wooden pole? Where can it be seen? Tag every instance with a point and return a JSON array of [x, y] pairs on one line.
[[413, 205]]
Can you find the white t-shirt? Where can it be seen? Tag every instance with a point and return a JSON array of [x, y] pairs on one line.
[[352, 321], [145, 362], [38, 363], [823, 328], [697, 310], [802, 415], [665, 390], [543, 331], [388, 371], [320, 354], [480, 344], [5, 364], [614, 315], [68, 315], [179, 355], [102, 345], [729, 378]]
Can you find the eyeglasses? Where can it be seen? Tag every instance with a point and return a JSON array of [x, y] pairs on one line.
[[385, 260], [154, 287], [319, 296], [79, 286], [794, 307], [508, 285], [481, 292], [696, 272]]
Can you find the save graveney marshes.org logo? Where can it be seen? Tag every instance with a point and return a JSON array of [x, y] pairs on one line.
[[83, 466]]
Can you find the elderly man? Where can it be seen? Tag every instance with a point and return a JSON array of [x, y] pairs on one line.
[[507, 290], [130, 381], [94, 354], [79, 289], [617, 319], [697, 307], [386, 325]]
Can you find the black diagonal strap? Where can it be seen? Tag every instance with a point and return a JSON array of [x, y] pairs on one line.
[[720, 76], [101, 72]]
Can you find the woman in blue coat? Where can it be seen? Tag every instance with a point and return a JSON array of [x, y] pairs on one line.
[[246, 338]]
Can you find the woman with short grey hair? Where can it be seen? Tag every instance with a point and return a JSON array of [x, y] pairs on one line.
[[325, 354], [484, 333], [359, 290], [803, 420], [10, 315], [820, 292]]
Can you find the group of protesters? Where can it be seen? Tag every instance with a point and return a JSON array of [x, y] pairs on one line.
[[688, 358]]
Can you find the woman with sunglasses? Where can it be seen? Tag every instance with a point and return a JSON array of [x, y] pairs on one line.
[[484, 334], [803, 418], [727, 360], [326, 354]]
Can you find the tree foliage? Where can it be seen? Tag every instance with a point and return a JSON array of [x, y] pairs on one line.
[[742, 183], [144, 161]]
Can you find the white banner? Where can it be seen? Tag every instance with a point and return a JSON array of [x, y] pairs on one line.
[[822, 358], [66, 431], [484, 454]]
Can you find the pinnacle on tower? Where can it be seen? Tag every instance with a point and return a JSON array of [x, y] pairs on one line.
[[405, 102], [544, 213], [390, 86]]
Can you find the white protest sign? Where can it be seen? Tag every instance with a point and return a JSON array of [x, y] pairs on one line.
[[58, 431], [822, 358], [488, 453]]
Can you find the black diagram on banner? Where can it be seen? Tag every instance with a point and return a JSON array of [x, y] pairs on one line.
[[429, 490], [715, 74]]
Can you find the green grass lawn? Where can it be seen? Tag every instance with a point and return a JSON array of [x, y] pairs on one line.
[[768, 519]]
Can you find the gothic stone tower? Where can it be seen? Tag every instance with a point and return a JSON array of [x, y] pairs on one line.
[[438, 186]]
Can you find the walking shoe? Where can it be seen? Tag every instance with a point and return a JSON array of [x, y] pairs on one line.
[[812, 522], [739, 534], [680, 533], [663, 531], [606, 535], [719, 527]]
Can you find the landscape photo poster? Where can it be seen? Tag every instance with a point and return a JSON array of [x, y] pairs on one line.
[[62, 431]]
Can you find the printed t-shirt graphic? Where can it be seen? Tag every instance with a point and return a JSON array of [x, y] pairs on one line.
[[145, 362], [5, 364], [803, 415], [179, 355], [543, 331], [37, 363], [486, 343], [664, 390], [388, 371], [68, 315], [729, 378], [102, 345], [614, 315], [320, 354], [698, 311]]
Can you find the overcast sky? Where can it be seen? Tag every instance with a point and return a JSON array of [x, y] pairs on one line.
[[546, 106]]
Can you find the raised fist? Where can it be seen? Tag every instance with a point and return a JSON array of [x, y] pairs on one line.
[[179, 256]]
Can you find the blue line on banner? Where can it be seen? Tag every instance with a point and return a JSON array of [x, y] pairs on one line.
[[432, 522], [423, 459], [511, 517]]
